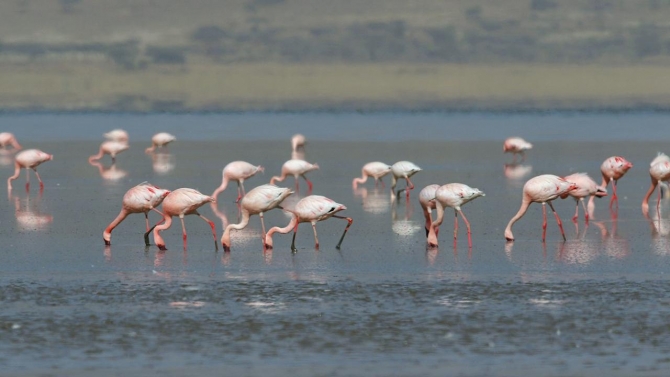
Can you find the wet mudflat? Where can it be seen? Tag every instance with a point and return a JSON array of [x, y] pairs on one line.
[[597, 304]]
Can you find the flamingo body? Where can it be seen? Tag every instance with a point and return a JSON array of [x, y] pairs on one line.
[[256, 202], [160, 139], [376, 170], [111, 148], [585, 187], [541, 189], [182, 202], [659, 171], [296, 168], [516, 145], [7, 139], [403, 170], [312, 209], [142, 198], [612, 170], [28, 159], [452, 195], [117, 135], [237, 171]]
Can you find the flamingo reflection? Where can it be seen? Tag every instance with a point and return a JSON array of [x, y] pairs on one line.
[[162, 163], [374, 201], [404, 226], [660, 229], [613, 244], [111, 173], [28, 213], [516, 172]]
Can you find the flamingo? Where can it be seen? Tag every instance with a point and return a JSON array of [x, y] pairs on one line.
[[427, 201], [400, 170], [296, 168], [111, 148], [516, 145], [161, 139], [585, 187], [142, 198], [376, 170], [117, 135], [257, 201], [237, 171], [7, 139], [182, 202], [298, 142], [659, 172], [452, 195], [541, 189], [613, 169], [312, 209], [28, 159]]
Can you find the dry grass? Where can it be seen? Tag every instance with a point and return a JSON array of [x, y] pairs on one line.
[[318, 86]]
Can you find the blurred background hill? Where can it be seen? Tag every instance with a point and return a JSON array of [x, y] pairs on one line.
[[147, 55]]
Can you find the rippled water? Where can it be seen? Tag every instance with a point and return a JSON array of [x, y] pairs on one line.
[[597, 304]]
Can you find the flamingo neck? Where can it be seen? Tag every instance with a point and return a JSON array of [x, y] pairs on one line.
[[108, 231], [97, 156], [360, 180], [525, 203], [278, 178], [166, 224], [224, 184], [225, 238], [645, 201]]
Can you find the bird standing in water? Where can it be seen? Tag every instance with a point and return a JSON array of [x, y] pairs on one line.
[[516, 145], [237, 171], [256, 202], [161, 139], [311, 209], [376, 170], [427, 201], [541, 189], [585, 187], [403, 170], [142, 198], [296, 168], [659, 171], [28, 159], [182, 202], [452, 195], [111, 148], [7, 139], [612, 170]]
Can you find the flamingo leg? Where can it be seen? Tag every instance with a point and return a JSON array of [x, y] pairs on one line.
[[467, 225], [349, 222], [544, 221], [146, 219], [309, 185], [262, 225], [316, 238], [586, 212], [455, 227], [576, 216], [38, 178], [27, 180], [558, 220], [146, 235], [211, 225], [239, 193], [658, 202], [241, 182], [614, 196], [183, 229], [295, 231], [297, 185], [409, 187]]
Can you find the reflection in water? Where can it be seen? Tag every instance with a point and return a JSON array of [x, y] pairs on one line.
[[111, 173], [7, 156], [515, 173], [27, 211], [404, 226], [162, 163], [374, 201], [578, 251], [614, 245], [660, 229]]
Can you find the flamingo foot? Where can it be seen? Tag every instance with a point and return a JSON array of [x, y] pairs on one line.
[[107, 243], [162, 247], [509, 239], [268, 247], [316, 247], [226, 248]]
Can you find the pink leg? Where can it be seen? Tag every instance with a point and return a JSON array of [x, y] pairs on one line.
[[455, 227], [349, 222], [316, 238], [576, 216], [239, 193], [211, 225], [467, 225], [38, 178], [146, 218], [27, 180], [614, 196], [409, 187], [183, 229], [586, 212], [262, 226], [309, 185], [658, 202], [558, 220], [544, 221]]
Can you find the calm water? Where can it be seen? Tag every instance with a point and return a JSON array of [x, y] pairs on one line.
[[597, 304]]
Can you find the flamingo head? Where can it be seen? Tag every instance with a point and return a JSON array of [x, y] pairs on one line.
[[600, 192]]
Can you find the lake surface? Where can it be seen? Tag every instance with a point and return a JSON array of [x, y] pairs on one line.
[[597, 304]]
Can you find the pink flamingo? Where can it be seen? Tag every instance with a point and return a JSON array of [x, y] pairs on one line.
[[613, 169], [237, 171], [182, 202], [452, 195], [541, 189], [28, 159], [142, 198], [298, 142], [161, 139], [585, 187], [376, 170], [312, 209], [516, 145], [427, 201], [256, 202], [111, 148], [7, 139], [659, 172], [117, 135], [400, 170], [296, 168]]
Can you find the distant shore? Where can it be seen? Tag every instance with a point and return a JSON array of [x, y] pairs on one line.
[[59, 86]]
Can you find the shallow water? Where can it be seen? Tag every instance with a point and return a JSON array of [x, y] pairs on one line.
[[597, 304]]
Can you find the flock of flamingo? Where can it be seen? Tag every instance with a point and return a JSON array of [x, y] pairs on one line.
[[181, 202]]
